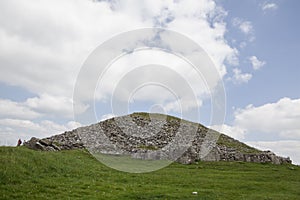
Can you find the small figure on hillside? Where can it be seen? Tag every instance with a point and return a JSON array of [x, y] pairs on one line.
[[19, 142]]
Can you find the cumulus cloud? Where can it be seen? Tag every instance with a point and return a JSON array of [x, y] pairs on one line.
[[12, 129], [182, 105], [232, 131], [279, 120], [239, 77], [178, 84], [37, 107], [10, 108], [107, 116], [244, 26], [269, 6], [281, 117], [53, 41], [256, 63], [53, 105], [43, 51]]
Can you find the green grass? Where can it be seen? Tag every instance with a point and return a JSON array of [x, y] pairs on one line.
[[148, 147], [29, 174], [160, 116], [128, 164]]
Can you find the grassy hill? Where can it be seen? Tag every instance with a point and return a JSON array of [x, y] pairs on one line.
[[75, 174]]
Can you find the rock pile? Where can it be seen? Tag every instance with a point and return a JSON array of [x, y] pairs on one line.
[[65, 141], [145, 136]]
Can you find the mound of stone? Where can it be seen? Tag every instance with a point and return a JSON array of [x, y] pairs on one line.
[[155, 136]]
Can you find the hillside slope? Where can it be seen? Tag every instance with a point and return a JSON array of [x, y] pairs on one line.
[[156, 137], [75, 174]]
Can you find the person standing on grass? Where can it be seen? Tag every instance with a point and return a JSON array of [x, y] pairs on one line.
[[19, 142]]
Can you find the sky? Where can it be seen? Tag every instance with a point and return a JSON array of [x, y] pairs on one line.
[[253, 45]]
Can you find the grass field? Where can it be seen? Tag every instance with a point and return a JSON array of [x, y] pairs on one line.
[[28, 174]]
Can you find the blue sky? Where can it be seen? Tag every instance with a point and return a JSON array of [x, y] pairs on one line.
[[276, 41], [253, 44]]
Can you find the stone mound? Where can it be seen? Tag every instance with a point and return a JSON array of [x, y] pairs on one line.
[[155, 136]]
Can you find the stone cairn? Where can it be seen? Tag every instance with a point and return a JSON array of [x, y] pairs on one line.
[[143, 137]]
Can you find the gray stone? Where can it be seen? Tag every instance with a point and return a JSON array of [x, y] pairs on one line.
[[158, 137]]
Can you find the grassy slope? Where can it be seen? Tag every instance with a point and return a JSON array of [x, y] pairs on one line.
[[28, 174], [232, 143]]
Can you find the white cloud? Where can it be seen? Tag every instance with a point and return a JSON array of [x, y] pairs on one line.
[[10, 108], [37, 107], [283, 148], [49, 57], [269, 6], [182, 105], [42, 51], [12, 129], [245, 26], [280, 118], [53, 105], [21, 124], [44, 43], [256, 63], [179, 88], [107, 116], [232, 131], [243, 44], [239, 77]]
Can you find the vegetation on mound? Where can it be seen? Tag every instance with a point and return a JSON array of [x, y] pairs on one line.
[[222, 140], [239, 146], [75, 174], [159, 116]]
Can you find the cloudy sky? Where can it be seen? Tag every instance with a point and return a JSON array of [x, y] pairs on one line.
[[253, 44]]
